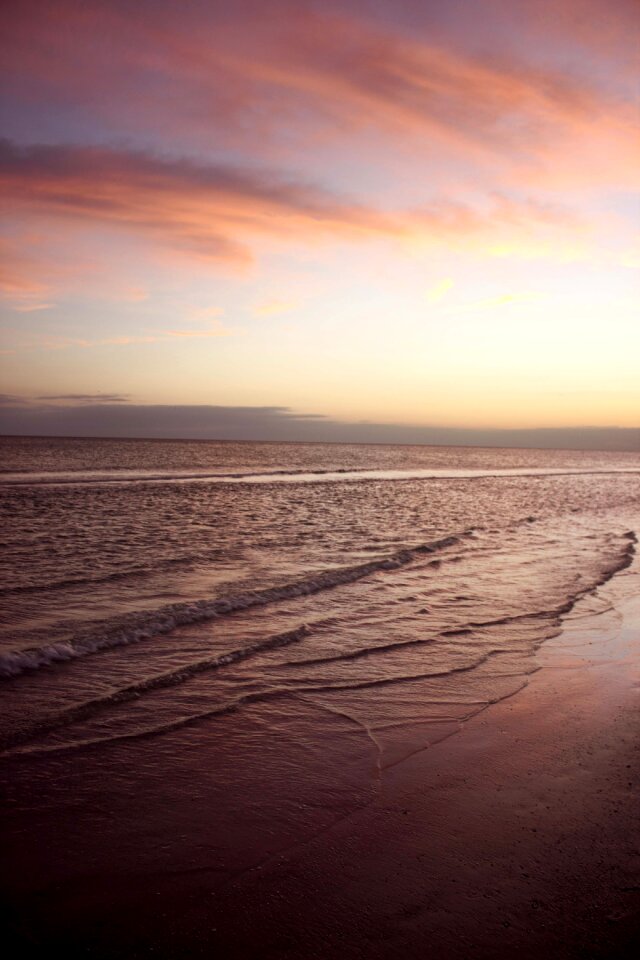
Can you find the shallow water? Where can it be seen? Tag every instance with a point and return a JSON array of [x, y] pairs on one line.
[[151, 586]]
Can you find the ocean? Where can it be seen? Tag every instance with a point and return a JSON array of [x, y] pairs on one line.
[[218, 658], [384, 593]]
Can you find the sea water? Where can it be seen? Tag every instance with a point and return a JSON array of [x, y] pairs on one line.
[[150, 586]]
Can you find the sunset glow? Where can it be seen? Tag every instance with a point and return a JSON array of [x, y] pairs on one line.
[[412, 213]]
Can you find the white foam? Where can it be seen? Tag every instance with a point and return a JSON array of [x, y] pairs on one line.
[[142, 626]]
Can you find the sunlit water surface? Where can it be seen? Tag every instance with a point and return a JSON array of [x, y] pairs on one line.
[[149, 584]]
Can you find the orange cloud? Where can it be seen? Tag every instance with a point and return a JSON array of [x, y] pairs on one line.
[[283, 69], [310, 71], [501, 227], [208, 210], [217, 213], [270, 308], [35, 268], [19, 283]]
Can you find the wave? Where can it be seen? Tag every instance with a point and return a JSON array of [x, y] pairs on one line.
[[304, 476], [412, 677], [368, 651], [160, 681], [170, 678], [15, 478], [553, 616], [142, 626], [85, 710], [400, 645]]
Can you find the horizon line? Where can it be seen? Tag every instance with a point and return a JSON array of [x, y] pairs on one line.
[[470, 443]]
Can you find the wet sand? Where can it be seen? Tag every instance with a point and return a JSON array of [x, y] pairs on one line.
[[518, 836]]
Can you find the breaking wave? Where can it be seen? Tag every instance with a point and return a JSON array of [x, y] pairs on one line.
[[142, 626], [300, 476]]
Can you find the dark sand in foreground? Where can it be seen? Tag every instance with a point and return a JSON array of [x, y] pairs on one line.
[[519, 836]]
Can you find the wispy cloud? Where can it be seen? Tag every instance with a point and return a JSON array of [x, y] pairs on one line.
[[302, 68], [88, 397], [500, 300], [216, 212], [205, 334], [52, 342], [270, 308], [439, 291], [206, 209], [21, 281]]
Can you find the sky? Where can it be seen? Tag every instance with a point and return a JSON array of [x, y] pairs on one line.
[[362, 219]]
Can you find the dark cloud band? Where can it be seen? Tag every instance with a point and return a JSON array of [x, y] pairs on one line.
[[279, 423]]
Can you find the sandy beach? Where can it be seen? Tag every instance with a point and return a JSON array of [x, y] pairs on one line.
[[517, 835]]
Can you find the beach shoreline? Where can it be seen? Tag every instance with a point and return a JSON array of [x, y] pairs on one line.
[[519, 835], [515, 835]]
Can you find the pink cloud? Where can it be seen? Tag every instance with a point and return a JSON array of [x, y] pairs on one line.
[[208, 210], [277, 80], [264, 74], [219, 213]]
